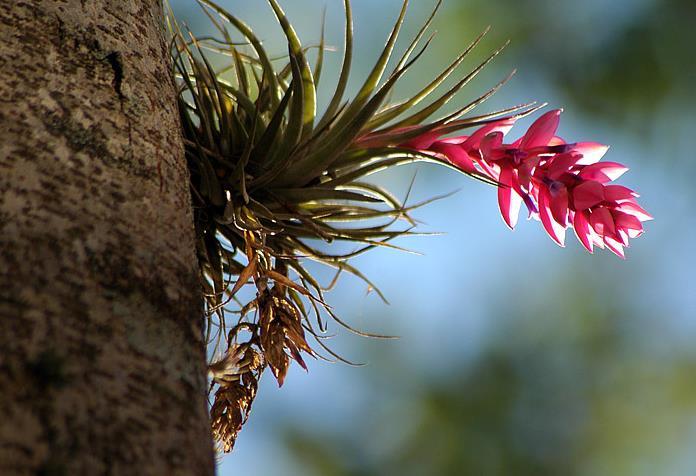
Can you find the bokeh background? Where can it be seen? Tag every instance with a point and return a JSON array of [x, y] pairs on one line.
[[515, 356]]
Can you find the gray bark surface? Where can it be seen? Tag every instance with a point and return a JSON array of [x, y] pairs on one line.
[[102, 368]]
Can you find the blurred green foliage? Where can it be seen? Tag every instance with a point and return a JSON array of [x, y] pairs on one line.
[[610, 57]]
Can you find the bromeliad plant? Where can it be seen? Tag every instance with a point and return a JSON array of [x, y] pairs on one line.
[[275, 185]]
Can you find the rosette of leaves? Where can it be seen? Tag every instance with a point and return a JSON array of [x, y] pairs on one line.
[[271, 178]]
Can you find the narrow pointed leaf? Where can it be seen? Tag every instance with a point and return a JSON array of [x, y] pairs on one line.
[[307, 80], [337, 97]]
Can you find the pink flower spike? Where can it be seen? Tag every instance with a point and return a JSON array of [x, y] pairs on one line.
[[582, 230], [542, 131], [603, 171], [591, 152], [509, 201], [587, 195], [554, 230], [562, 184]]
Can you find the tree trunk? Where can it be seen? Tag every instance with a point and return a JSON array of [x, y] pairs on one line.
[[102, 367]]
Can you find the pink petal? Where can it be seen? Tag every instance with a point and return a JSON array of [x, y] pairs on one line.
[[559, 205], [490, 170], [597, 240], [454, 140], [474, 140], [634, 209], [623, 237], [582, 230], [603, 171], [560, 164], [615, 247], [456, 155], [587, 195], [509, 201], [526, 198], [542, 131], [525, 171], [615, 193], [554, 230], [386, 138], [490, 143], [602, 222], [627, 222], [591, 152], [423, 141]]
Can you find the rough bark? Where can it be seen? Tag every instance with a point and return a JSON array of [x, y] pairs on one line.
[[102, 370]]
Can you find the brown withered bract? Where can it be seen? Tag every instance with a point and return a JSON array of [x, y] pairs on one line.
[[237, 377]]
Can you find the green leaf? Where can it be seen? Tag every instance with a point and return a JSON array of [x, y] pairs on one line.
[[308, 194], [418, 37], [295, 123], [393, 112], [323, 157], [320, 53], [422, 115], [262, 151], [375, 75], [337, 97], [307, 80], [244, 29]]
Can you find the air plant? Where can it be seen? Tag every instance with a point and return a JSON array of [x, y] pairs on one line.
[[275, 184]]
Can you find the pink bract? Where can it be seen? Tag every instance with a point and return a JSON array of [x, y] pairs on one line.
[[562, 184]]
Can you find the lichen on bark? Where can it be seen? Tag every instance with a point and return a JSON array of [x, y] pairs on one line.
[[102, 367]]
